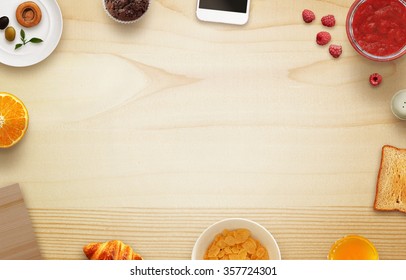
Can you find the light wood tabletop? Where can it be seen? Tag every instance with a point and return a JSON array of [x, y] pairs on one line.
[[150, 132]]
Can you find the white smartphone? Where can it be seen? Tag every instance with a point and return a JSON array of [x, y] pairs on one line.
[[224, 11]]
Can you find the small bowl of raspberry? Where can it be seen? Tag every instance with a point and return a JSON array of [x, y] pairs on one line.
[[377, 28]]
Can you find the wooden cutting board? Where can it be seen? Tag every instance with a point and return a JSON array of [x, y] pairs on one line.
[[17, 238]]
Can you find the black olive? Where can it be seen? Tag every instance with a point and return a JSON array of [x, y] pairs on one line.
[[4, 22]]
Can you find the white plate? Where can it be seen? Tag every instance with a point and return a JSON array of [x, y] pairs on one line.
[[49, 30]]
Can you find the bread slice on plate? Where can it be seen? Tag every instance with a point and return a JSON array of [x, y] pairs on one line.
[[391, 185]]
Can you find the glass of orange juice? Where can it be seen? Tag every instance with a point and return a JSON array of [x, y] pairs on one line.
[[353, 247]]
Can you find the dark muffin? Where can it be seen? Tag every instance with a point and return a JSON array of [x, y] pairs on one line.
[[126, 10]]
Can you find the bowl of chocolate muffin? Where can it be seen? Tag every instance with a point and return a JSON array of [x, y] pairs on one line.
[[126, 11]]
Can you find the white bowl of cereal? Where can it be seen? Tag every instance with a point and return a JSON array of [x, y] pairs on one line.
[[236, 239]]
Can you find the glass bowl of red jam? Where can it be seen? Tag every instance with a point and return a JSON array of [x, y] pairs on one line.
[[377, 28]]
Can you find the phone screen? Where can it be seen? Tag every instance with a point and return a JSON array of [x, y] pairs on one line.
[[237, 6]]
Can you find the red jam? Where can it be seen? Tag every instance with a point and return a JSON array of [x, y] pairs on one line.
[[379, 26]]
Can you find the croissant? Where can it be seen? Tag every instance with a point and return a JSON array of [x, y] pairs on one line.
[[111, 250]]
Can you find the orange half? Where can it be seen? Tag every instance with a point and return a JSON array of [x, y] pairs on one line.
[[13, 120]]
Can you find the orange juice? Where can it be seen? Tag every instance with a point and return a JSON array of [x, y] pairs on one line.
[[353, 247]]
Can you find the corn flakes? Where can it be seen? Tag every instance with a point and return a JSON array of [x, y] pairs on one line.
[[236, 245]]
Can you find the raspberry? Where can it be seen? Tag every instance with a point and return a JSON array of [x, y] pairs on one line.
[[335, 50], [323, 38], [375, 79], [328, 20], [308, 16]]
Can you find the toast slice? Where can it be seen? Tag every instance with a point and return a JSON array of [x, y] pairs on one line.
[[391, 185]]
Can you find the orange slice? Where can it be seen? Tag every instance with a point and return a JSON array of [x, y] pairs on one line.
[[13, 120]]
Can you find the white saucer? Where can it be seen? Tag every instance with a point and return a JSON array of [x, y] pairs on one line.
[[49, 30]]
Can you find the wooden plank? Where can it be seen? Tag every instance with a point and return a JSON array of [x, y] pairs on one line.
[[17, 238], [165, 233], [194, 122]]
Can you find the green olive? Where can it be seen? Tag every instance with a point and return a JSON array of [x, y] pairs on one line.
[[10, 33]]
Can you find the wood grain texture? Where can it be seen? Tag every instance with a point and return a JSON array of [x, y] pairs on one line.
[[17, 238], [160, 233], [178, 117]]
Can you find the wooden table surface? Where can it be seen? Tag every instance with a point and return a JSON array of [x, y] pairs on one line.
[[150, 132]]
